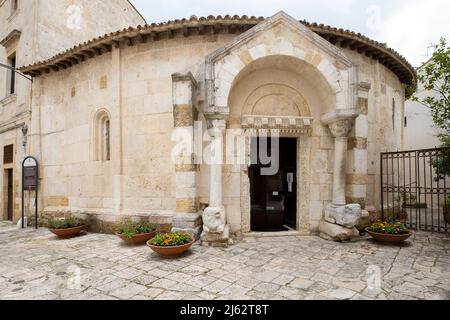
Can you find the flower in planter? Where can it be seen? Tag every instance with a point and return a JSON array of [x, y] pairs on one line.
[[66, 228], [384, 227], [66, 223], [130, 228], [171, 239]]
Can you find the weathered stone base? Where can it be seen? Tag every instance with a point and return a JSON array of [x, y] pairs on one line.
[[187, 223], [334, 232], [347, 216], [106, 223], [216, 239], [367, 218]]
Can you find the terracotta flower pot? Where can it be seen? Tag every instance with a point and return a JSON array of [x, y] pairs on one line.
[[389, 238], [67, 233], [403, 217], [171, 252], [138, 239]]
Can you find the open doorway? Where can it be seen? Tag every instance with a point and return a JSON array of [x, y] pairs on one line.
[[274, 196]]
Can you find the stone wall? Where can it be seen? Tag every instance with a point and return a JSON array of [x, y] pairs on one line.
[[374, 131], [134, 86]]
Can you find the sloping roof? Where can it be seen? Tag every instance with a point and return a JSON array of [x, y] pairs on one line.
[[218, 24]]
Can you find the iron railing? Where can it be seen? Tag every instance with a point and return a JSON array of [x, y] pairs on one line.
[[414, 190]]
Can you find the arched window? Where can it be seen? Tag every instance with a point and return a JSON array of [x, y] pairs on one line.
[[102, 136], [106, 153]]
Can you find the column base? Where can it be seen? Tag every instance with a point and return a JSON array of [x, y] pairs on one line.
[[215, 231], [187, 223], [347, 216], [340, 222], [334, 232], [216, 239]]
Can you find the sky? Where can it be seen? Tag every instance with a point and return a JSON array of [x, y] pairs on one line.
[[410, 27]]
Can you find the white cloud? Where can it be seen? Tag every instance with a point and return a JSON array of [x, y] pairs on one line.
[[408, 26], [415, 25]]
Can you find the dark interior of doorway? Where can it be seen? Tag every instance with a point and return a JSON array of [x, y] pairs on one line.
[[274, 197]]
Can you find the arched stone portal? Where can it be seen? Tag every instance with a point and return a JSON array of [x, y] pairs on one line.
[[279, 62]]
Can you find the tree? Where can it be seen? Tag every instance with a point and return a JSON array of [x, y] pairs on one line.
[[435, 78]]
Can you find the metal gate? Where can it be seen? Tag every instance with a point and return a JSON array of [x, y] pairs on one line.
[[415, 188]]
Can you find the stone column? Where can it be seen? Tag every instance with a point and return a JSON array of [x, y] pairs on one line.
[[215, 228], [116, 128], [186, 218], [340, 129], [340, 218]]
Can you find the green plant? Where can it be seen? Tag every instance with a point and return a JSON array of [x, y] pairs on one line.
[[385, 227], [441, 163], [406, 198], [66, 223], [130, 228], [171, 239], [435, 78]]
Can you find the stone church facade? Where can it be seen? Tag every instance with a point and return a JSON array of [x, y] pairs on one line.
[[139, 123]]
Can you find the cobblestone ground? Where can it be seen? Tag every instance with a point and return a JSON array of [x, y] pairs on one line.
[[36, 265]]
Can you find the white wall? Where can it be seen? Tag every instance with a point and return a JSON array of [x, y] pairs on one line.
[[420, 132]]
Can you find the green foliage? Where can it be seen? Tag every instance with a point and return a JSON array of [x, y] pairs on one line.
[[410, 90], [441, 164], [389, 228], [435, 77], [171, 239], [130, 228], [66, 223], [406, 198]]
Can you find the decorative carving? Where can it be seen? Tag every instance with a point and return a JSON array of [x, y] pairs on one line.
[[304, 179], [216, 127], [341, 127], [289, 102], [214, 220], [292, 125], [183, 115]]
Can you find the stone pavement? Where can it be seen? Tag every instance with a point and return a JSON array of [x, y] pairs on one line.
[[36, 265]]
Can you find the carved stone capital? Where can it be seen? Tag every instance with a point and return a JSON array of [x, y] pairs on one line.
[[216, 127], [341, 127], [340, 122]]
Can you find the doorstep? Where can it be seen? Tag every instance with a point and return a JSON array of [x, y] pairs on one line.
[[276, 234]]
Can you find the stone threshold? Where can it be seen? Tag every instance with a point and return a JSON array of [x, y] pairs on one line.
[[292, 233]]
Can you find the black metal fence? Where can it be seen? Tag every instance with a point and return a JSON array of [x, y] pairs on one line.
[[415, 188]]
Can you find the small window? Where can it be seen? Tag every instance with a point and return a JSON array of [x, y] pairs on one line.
[[406, 122], [11, 81], [103, 136], [8, 154]]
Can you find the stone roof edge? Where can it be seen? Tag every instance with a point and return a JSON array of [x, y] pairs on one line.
[[234, 24]]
